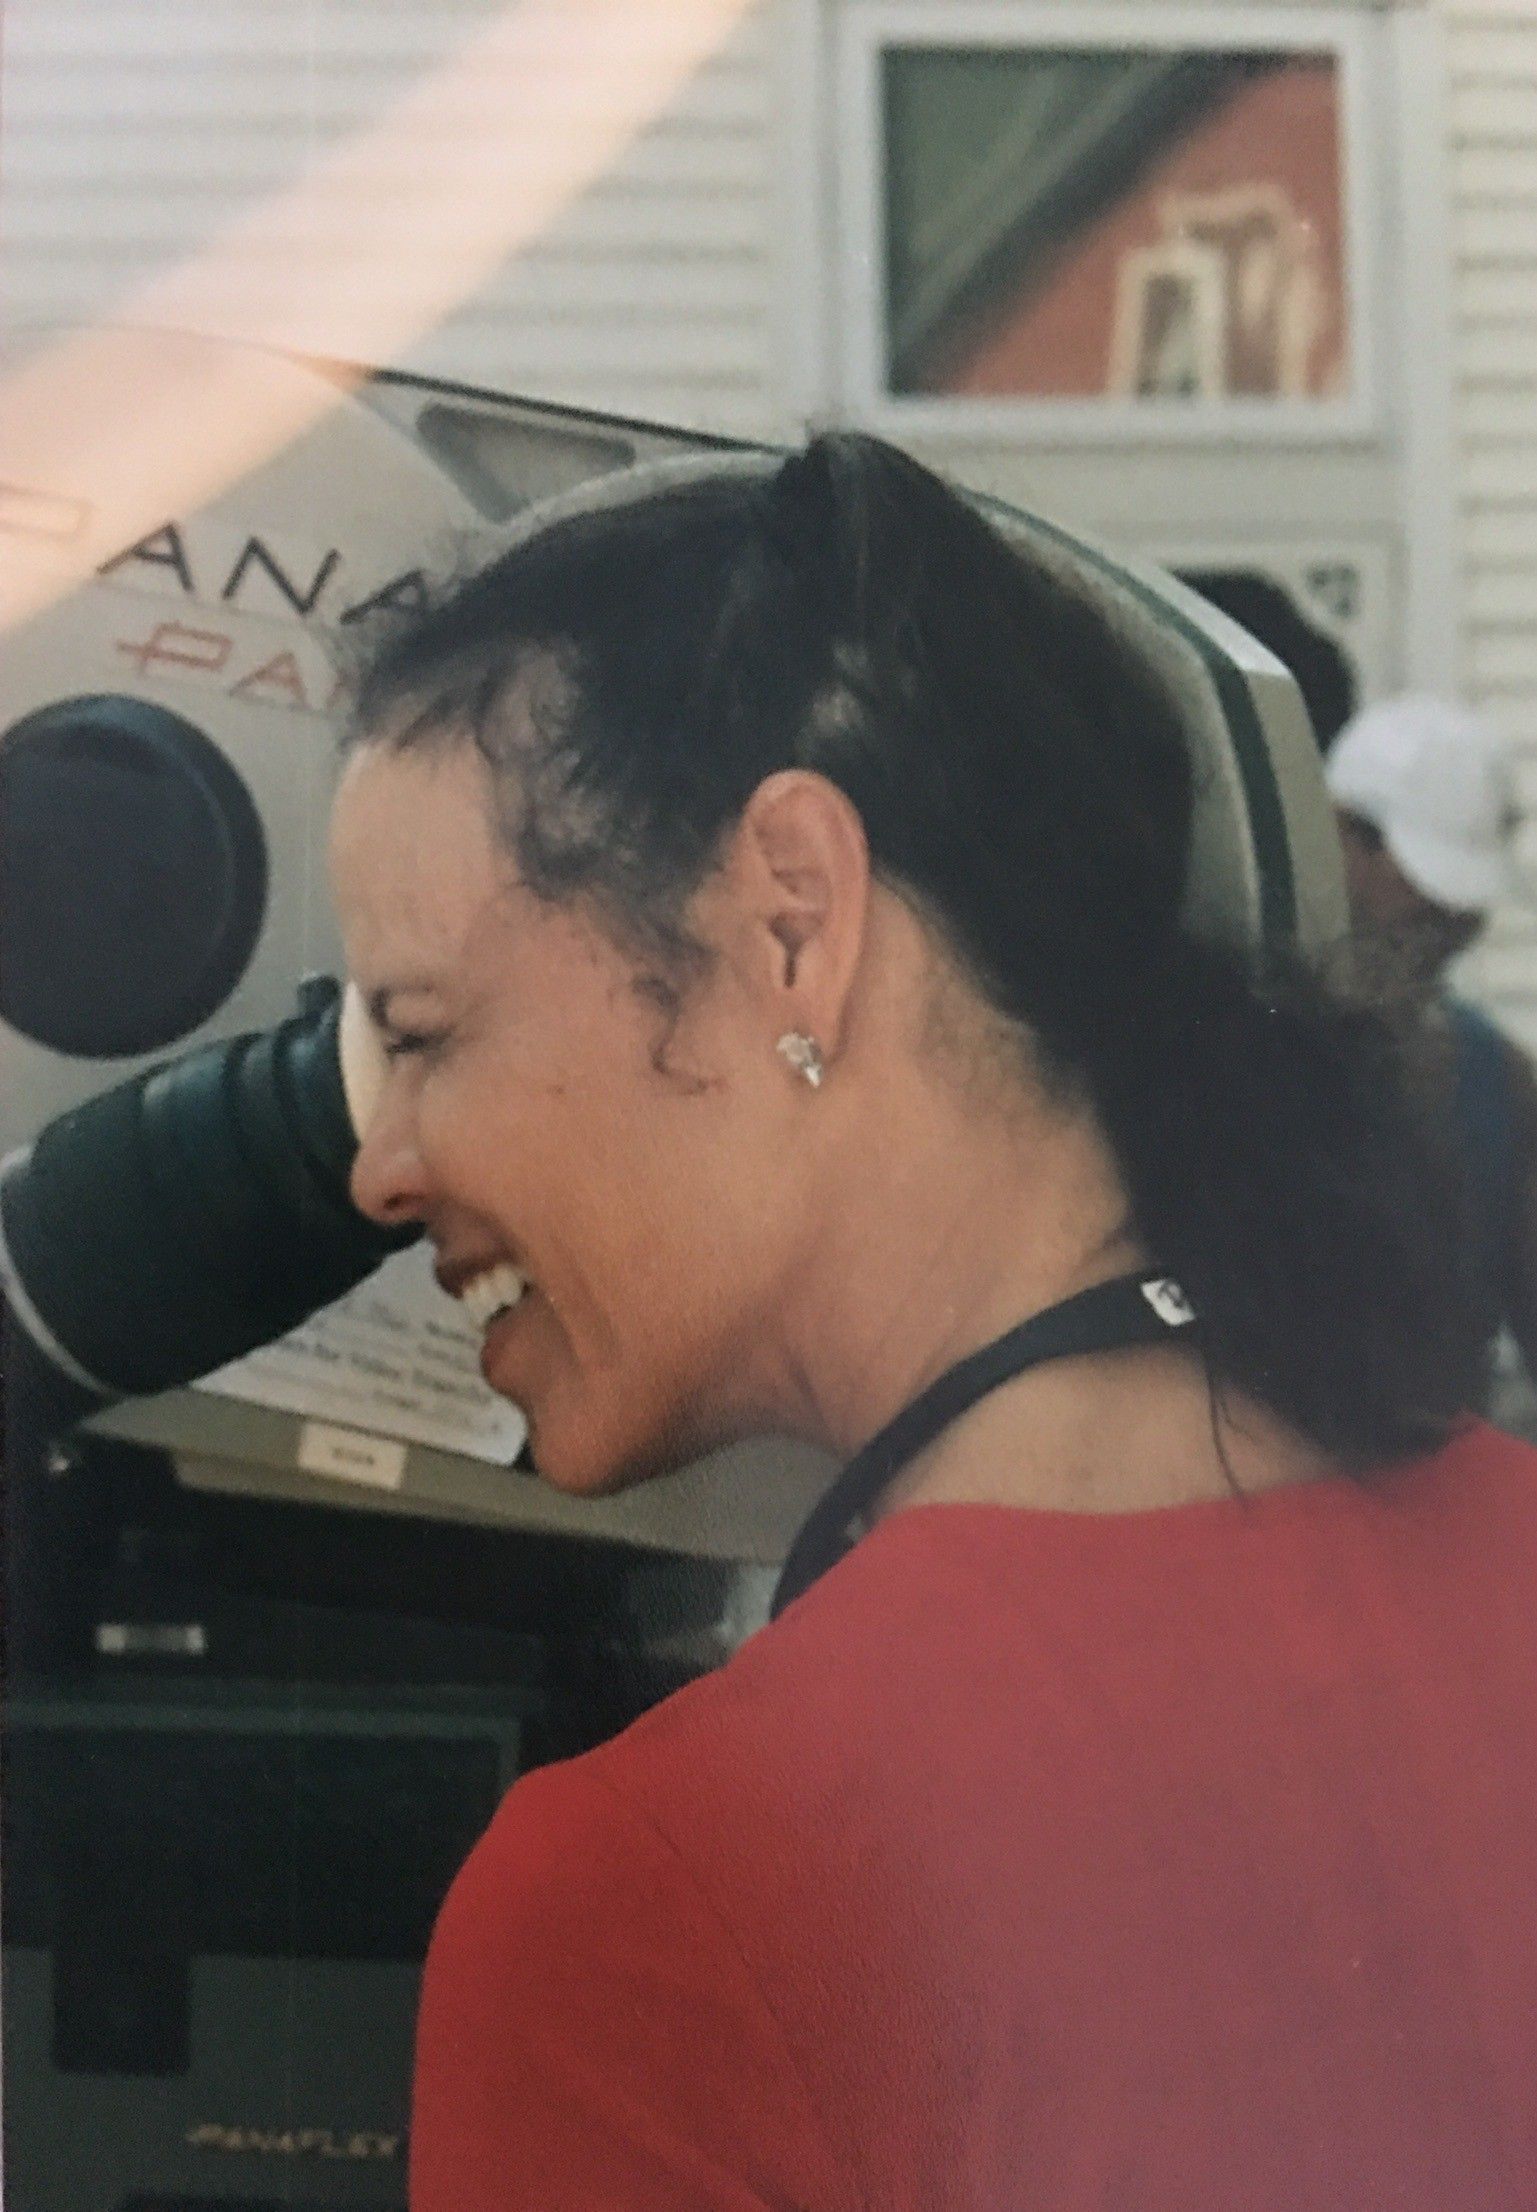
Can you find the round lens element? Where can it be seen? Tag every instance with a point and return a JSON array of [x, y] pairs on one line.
[[133, 876]]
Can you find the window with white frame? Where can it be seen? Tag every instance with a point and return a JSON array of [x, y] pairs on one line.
[[1135, 216]]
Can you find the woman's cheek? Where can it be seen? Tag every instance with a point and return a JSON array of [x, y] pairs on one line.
[[446, 1114], [481, 1125]]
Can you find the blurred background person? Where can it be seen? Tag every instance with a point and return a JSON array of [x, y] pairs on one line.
[[1421, 789]]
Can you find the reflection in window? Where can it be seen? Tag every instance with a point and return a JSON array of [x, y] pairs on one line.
[[1086, 224]]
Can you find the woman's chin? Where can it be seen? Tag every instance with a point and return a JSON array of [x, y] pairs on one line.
[[574, 1457], [570, 1458]]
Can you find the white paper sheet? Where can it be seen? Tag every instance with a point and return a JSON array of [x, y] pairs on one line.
[[395, 1357]]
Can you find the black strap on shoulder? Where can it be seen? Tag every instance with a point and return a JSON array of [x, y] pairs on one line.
[[1109, 1317]]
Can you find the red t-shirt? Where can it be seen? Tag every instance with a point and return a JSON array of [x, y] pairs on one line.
[[1155, 1862]]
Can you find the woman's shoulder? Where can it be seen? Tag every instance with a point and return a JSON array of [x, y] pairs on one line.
[[592, 2030], [683, 1787], [948, 1619], [702, 1789]]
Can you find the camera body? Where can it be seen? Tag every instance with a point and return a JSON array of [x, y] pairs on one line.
[[166, 727]]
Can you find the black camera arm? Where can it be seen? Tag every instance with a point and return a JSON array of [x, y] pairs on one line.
[[188, 1215]]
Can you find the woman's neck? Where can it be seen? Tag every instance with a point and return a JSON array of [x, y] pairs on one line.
[[962, 1225], [1115, 1432], [930, 1240]]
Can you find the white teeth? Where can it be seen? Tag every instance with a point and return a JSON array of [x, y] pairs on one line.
[[486, 1295]]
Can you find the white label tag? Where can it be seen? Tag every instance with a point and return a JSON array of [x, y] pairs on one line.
[[1169, 1302], [378, 1462]]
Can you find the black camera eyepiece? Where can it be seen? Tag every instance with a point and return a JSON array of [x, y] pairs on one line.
[[190, 1214]]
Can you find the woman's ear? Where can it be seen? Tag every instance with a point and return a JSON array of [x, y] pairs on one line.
[[802, 867]]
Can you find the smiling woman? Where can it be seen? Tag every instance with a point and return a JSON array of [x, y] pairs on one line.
[[770, 892], [526, 1122]]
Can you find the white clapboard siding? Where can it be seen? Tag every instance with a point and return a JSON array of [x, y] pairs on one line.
[[1491, 49], [1500, 597], [1497, 414], [1489, 296], [1493, 46], [130, 135], [1498, 539], [1487, 235], [1493, 112], [1499, 472], [1495, 175]]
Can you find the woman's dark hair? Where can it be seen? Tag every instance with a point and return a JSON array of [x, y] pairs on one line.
[[1023, 782]]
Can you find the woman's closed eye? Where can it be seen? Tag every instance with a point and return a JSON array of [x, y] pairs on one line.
[[409, 1044]]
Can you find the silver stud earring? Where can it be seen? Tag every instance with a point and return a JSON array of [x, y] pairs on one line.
[[804, 1055]]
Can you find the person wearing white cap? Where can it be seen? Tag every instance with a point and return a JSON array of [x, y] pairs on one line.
[[1423, 799]]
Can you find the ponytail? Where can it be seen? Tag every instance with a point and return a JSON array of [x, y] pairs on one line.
[[1281, 1159]]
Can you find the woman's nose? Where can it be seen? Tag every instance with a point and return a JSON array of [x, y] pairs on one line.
[[388, 1181]]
